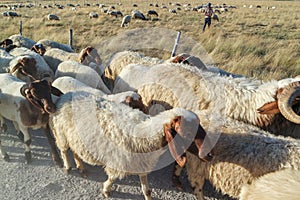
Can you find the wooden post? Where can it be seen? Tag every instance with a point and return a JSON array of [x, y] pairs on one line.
[[176, 44], [71, 38], [21, 27]]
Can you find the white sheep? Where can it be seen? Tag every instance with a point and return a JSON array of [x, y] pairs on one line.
[[119, 60], [68, 84], [27, 106], [5, 59], [135, 14], [124, 140], [43, 69], [48, 44], [82, 73], [243, 153], [278, 185], [22, 41], [194, 89], [126, 20], [55, 56]]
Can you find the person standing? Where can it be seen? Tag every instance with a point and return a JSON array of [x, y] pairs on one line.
[[208, 14]]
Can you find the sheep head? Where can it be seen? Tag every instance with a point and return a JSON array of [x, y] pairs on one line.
[[38, 93], [88, 55], [27, 67], [287, 103], [178, 144], [39, 49]]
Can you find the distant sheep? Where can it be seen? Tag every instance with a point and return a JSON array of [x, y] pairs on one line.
[[126, 20], [137, 15], [152, 13], [93, 15], [119, 137], [10, 14], [52, 17]]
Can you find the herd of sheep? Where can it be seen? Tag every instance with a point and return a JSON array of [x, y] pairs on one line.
[[239, 133]]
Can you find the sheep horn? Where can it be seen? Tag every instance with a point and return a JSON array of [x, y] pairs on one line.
[[24, 90], [286, 100], [180, 159]]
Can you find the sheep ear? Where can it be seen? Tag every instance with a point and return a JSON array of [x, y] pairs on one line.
[[181, 160], [269, 108], [55, 91], [24, 90]]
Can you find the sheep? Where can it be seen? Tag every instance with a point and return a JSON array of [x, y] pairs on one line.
[[124, 140], [68, 84], [120, 60], [6, 42], [152, 12], [43, 69], [82, 73], [22, 41], [135, 14], [115, 13], [5, 59], [52, 17], [126, 20], [89, 56], [39, 49], [55, 56], [10, 14], [48, 44], [277, 185], [27, 106], [263, 104], [93, 15], [243, 153]]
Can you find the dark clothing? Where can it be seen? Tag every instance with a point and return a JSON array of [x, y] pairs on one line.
[[207, 21]]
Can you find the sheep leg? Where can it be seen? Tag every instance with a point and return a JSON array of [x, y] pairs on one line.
[[108, 183], [3, 153], [79, 165], [3, 129], [27, 142], [51, 141], [196, 183], [175, 177], [66, 160], [145, 186]]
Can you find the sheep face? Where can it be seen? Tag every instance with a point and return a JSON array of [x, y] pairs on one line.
[[177, 144], [39, 94]]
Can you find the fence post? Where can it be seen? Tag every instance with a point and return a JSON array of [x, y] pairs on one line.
[[71, 38], [176, 44], [21, 27]]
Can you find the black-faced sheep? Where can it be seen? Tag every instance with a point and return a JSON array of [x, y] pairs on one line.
[[27, 106], [125, 140]]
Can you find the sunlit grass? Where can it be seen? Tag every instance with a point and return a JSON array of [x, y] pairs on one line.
[[259, 42]]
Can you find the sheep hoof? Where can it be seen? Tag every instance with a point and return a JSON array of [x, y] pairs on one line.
[[57, 161], [177, 183], [28, 157], [67, 171], [6, 157], [106, 194], [3, 128], [83, 173]]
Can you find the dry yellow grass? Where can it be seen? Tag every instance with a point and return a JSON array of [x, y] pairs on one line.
[[259, 42]]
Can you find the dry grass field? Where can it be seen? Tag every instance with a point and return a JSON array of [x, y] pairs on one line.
[[258, 42]]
